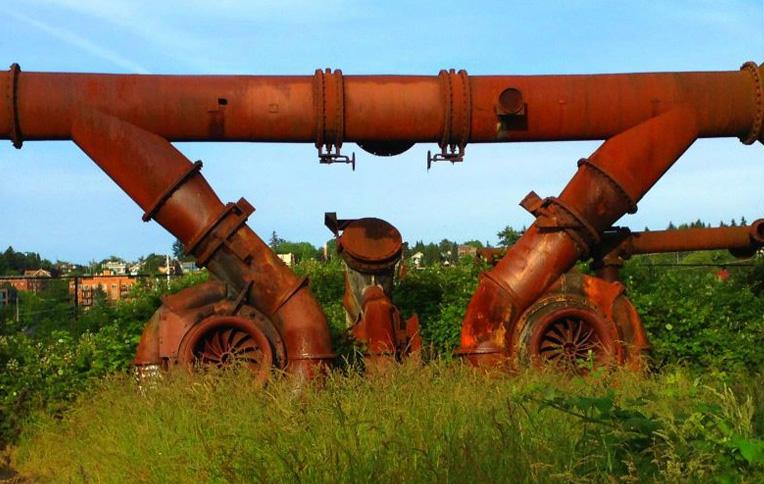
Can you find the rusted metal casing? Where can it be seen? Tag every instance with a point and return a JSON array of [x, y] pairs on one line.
[[371, 249], [202, 325], [125, 124], [579, 321], [172, 191], [606, 186]]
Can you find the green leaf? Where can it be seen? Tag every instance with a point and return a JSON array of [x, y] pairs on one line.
[[752, 450]]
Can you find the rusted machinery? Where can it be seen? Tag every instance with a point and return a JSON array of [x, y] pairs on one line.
[[371, 249], [584, 317], [125, 123], [620, 244]]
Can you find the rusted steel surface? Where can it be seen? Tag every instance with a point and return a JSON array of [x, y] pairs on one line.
[[746, 237], [125, 124], [371, 249], [623, 243], [202, 325], [385, 114], [620, 244], [579, 313], [172, 191], [606, 186], [580, 320]]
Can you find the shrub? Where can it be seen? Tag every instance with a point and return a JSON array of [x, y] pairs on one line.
[[695, 319]]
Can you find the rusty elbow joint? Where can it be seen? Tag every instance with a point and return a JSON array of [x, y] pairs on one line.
[[173, 192]]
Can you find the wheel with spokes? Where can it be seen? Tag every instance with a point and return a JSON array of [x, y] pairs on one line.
[[568, 341], [571, 339], [226, 341], [567, 333]]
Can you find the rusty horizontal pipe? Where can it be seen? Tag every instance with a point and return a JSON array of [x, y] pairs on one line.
[[745, 237], [624, 243], [172, 191], [605, 187], [329, 108], [618, 245]]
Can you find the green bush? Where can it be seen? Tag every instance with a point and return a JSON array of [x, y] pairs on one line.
[[691, 317], [45, 361], [439, 296], [695, 319]]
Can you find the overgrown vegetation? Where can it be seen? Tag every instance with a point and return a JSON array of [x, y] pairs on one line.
[[49, 357], [439, 423], [656, 428]]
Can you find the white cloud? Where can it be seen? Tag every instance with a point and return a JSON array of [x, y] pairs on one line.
[[82, 43]]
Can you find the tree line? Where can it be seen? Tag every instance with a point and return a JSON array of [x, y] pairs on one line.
[[15, 263]]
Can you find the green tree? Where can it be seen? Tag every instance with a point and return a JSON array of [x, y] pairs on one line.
[[302, 250], [474, 243], [152, 263], [177, 249], [331, 249], [275, 240], [508, 236], [14, 263], [449, 250]]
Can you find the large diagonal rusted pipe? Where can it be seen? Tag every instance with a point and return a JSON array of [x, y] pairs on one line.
[[171, 190], [329, 108], [605, 187]]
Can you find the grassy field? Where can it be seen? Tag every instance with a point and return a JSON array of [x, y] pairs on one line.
[[439, 423]]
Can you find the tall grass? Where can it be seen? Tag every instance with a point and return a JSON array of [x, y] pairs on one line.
[[438, 423]]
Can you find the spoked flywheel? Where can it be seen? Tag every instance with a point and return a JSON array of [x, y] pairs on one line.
[[571, 339], [568, 340], [228, 346], [225, 341]]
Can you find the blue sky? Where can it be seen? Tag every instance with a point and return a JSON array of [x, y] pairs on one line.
[[55, 201]]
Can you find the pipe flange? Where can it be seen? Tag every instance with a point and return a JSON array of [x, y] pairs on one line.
[[573, 223], [553, 214], [457, 112], [445, 81], [329, 110], [287, 295], [12, 94], [217, 233], [162, 199], [613, 182], [755, 132]]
